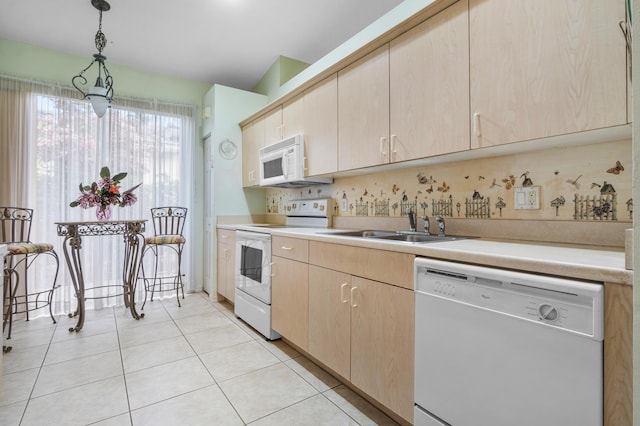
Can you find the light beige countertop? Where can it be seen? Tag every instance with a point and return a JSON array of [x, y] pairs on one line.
[[602, 264]]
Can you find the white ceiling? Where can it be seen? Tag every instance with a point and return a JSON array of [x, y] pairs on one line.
[[229, 42]]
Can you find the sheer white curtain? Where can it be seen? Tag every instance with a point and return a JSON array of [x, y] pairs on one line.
[[50, 142]]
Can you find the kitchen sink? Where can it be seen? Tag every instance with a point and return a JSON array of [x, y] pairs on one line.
[[417, 238], [401, 236], [363, 234]]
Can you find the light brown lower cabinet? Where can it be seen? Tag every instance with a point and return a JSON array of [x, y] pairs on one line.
[[364, 331], [618, 355], [290, 300], [225, 273]]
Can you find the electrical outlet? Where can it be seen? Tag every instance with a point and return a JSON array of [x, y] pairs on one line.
[[527, 198], [343, 205]]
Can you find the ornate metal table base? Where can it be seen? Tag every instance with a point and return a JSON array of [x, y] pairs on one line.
[[73, 232]]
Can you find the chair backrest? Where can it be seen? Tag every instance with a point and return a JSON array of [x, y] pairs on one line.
[[168, 220], [15, 224]]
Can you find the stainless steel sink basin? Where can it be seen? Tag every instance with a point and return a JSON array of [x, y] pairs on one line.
[[416, 238], [362, 234], [407, 237]]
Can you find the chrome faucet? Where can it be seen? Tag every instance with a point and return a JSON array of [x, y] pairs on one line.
[[440, 221], [425, 219], [412, 220]]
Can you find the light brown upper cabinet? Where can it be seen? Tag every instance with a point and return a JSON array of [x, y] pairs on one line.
[[429, 91], [273, 128], [292, 117], [541, 68], [363, 111], [320, 118], [252, 141]]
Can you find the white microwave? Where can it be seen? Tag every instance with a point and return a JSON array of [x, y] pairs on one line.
[[282, 165]]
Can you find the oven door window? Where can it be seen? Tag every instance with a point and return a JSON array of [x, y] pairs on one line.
[[251, 263]]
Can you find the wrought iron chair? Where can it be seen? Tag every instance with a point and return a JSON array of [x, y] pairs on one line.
[[15, 231], [168, 226]]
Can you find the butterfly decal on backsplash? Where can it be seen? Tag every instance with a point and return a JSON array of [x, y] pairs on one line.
[[617, 169]]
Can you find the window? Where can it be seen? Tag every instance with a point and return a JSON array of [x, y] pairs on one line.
[[50, 142]]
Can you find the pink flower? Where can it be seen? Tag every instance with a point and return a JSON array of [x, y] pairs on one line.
[[128, 199]]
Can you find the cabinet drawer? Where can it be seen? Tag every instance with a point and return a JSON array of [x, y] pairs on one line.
[[380, 265], [290, 248]]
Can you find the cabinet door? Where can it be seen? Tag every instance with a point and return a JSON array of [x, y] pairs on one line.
[[252, 141], [273, 126], [363, 112], [429, 96], [329, 318], [290, 300], [543, 68], [321, 127], [382, 343], [226, 263], [292, 117]]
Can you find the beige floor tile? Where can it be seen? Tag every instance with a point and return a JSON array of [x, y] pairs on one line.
[[17, 387], [237, 360], [245, 327], [80, 347], [315, 411], [165, 381], [217, 338], [152, 332], [20, 359], [358, 408], [266, 391], [11, 414], [280, 349], [80, 405], [195, 323], [316, 376], [152, 354], [191, 305], [25, 337], [90, 328], [77, 372], [40, 321], [207, 406], [121, 420], [152, 314]]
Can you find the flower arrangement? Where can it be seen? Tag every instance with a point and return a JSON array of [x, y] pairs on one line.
[[104, 194]]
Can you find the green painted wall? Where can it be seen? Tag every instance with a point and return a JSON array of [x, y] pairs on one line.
[[281, 71], [36, 63]]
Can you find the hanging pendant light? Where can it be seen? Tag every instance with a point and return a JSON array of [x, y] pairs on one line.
[[101, 94]]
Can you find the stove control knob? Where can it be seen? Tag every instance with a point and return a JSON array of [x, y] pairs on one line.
[[548, 312]]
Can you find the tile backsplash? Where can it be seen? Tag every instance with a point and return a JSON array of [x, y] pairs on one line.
[[583, 183]]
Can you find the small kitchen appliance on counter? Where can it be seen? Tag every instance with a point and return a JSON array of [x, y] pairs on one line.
[[253, 260]]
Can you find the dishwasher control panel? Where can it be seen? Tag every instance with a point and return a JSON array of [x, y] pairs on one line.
[[558, 302]]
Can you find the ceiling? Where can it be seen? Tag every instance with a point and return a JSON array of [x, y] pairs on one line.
[[229, 42]]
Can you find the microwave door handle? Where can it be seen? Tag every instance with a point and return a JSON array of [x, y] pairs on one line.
[[285, 172]]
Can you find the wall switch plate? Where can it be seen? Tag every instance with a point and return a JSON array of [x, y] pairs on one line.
[[527, 198]]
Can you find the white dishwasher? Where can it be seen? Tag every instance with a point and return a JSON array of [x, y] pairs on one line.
[[502, 348]]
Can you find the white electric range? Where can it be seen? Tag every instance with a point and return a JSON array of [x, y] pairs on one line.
[[253, 260]]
